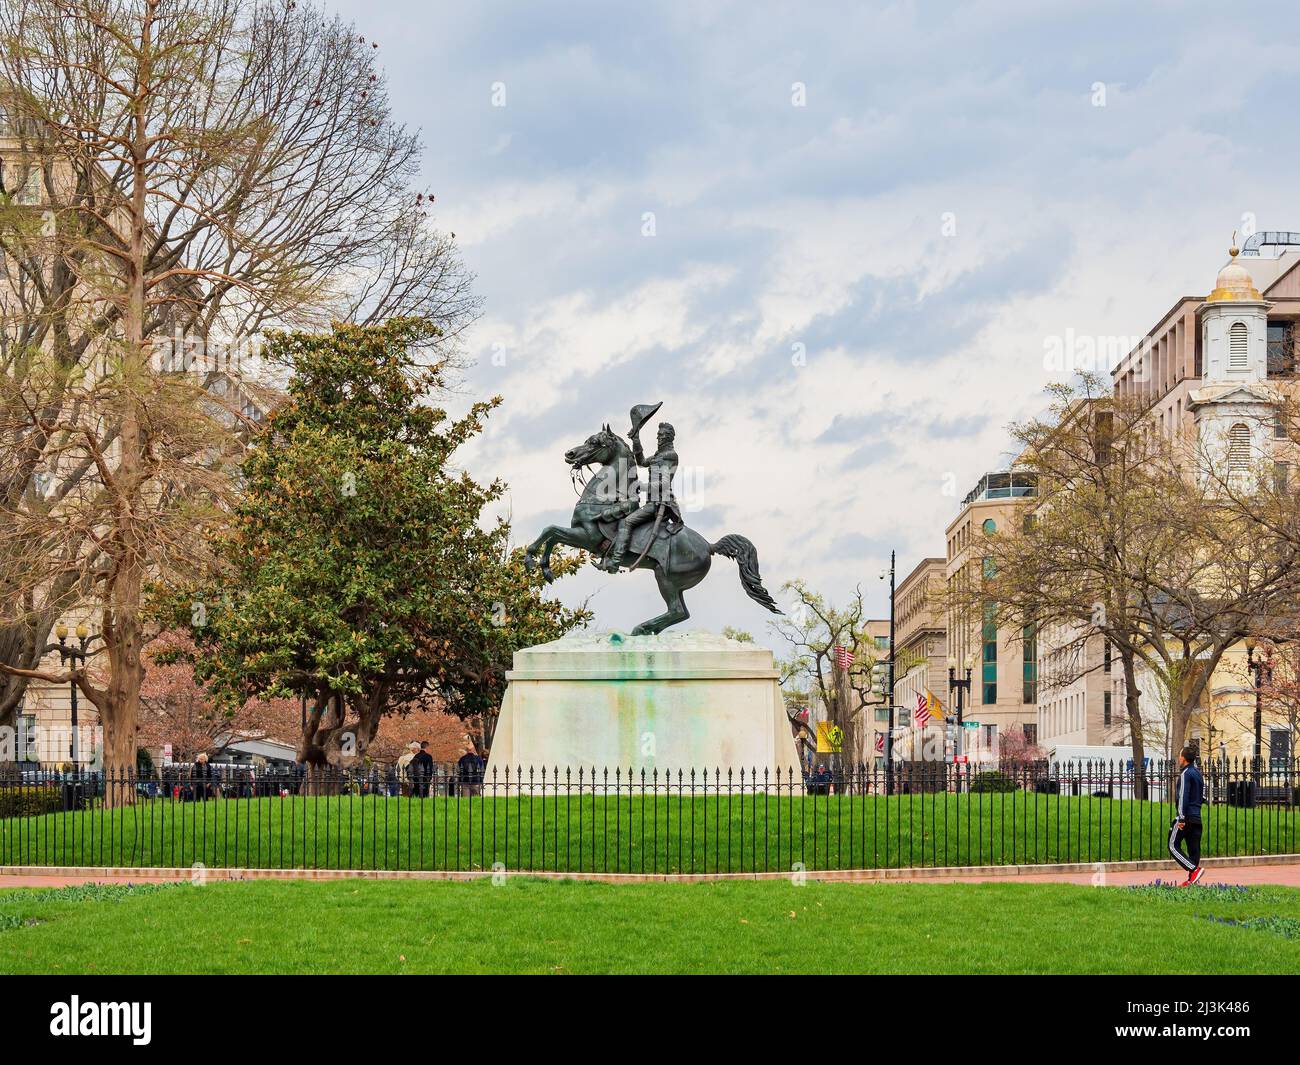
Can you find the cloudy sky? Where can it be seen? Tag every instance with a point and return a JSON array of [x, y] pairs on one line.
[[870, 222]]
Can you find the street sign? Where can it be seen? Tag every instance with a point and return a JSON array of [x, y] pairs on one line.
[[970, 724], [961, 759]]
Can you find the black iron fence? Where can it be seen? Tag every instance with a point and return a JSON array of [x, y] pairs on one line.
[[644, 822]]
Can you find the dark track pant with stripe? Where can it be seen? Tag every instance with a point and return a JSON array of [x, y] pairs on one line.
[[1191, 835]]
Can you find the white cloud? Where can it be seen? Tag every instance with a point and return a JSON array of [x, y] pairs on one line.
[[822, 225]]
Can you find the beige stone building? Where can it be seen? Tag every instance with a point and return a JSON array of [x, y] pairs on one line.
[[922, 636], [1003, 660], [1080, 690]]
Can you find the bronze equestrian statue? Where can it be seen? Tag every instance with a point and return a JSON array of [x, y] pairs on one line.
[[611, 522]]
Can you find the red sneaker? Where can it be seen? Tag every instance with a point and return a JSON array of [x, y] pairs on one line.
[[1196, 874]]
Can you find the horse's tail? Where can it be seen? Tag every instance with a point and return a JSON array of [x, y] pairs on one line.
[[745, 555]]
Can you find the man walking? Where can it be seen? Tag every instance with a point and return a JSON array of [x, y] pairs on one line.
[[1186, 827]]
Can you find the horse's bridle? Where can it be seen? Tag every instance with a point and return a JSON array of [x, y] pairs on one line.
[[578, 475]]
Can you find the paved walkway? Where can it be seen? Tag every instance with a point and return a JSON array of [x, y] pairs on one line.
[[1284, 873]]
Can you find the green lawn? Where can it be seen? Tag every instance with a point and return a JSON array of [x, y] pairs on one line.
[[534, 926], [631, 833]]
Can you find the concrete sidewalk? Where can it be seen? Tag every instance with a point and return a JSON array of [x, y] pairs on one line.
[[1282, 870], [1281, 875]]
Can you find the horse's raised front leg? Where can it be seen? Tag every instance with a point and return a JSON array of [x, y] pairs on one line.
[[530, 552], [550, 536]]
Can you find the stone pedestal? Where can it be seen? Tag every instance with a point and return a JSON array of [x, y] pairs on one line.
[[679, 701]]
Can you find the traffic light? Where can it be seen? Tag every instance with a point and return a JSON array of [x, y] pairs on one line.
[[879, 678]]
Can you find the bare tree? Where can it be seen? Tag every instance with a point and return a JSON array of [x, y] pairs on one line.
[[1073, 569], [813, 629], [203, 169], [1128, 545]]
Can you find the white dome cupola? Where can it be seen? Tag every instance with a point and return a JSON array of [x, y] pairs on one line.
[[1234, 328], [1234, 405]]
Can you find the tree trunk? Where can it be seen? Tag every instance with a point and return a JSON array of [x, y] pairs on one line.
[[840, 713], [321, 779], [1137, 738], [122, 624], [311, 750], [120, 709], [331, 743]]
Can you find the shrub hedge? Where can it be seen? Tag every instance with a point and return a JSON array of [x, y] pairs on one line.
[[29, 801]]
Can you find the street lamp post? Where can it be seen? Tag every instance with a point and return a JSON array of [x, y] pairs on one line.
[[961, 687], [889, 695], [1258, 669], [75, 655]]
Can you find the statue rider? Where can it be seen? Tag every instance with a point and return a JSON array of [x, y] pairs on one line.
[[660, 503]]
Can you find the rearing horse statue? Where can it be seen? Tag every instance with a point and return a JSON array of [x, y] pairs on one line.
[[679, 556]]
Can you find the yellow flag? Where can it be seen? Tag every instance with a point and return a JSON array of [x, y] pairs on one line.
[[936, 707]]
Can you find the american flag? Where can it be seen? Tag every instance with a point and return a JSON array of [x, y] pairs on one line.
[[843, 657], [922, 710], [880, 741]]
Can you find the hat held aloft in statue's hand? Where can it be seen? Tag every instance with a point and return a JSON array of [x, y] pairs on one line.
[[642, 413]]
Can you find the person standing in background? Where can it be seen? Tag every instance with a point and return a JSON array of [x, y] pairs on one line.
[[404, 767]]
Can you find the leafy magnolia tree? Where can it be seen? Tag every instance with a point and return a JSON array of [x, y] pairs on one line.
[[193, 168], [360, 568], [813, 628]]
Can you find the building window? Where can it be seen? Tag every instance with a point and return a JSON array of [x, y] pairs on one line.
[[1105, 657], [1281, 349], [1279, 426], [990, 526], [1030, 671], [1105, 708], [1281, 472], [1031, 734], [1239, 448], [989, 672], [1238, 350], [24, 187], [882, 643], [27, 738], [1279, 748]]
